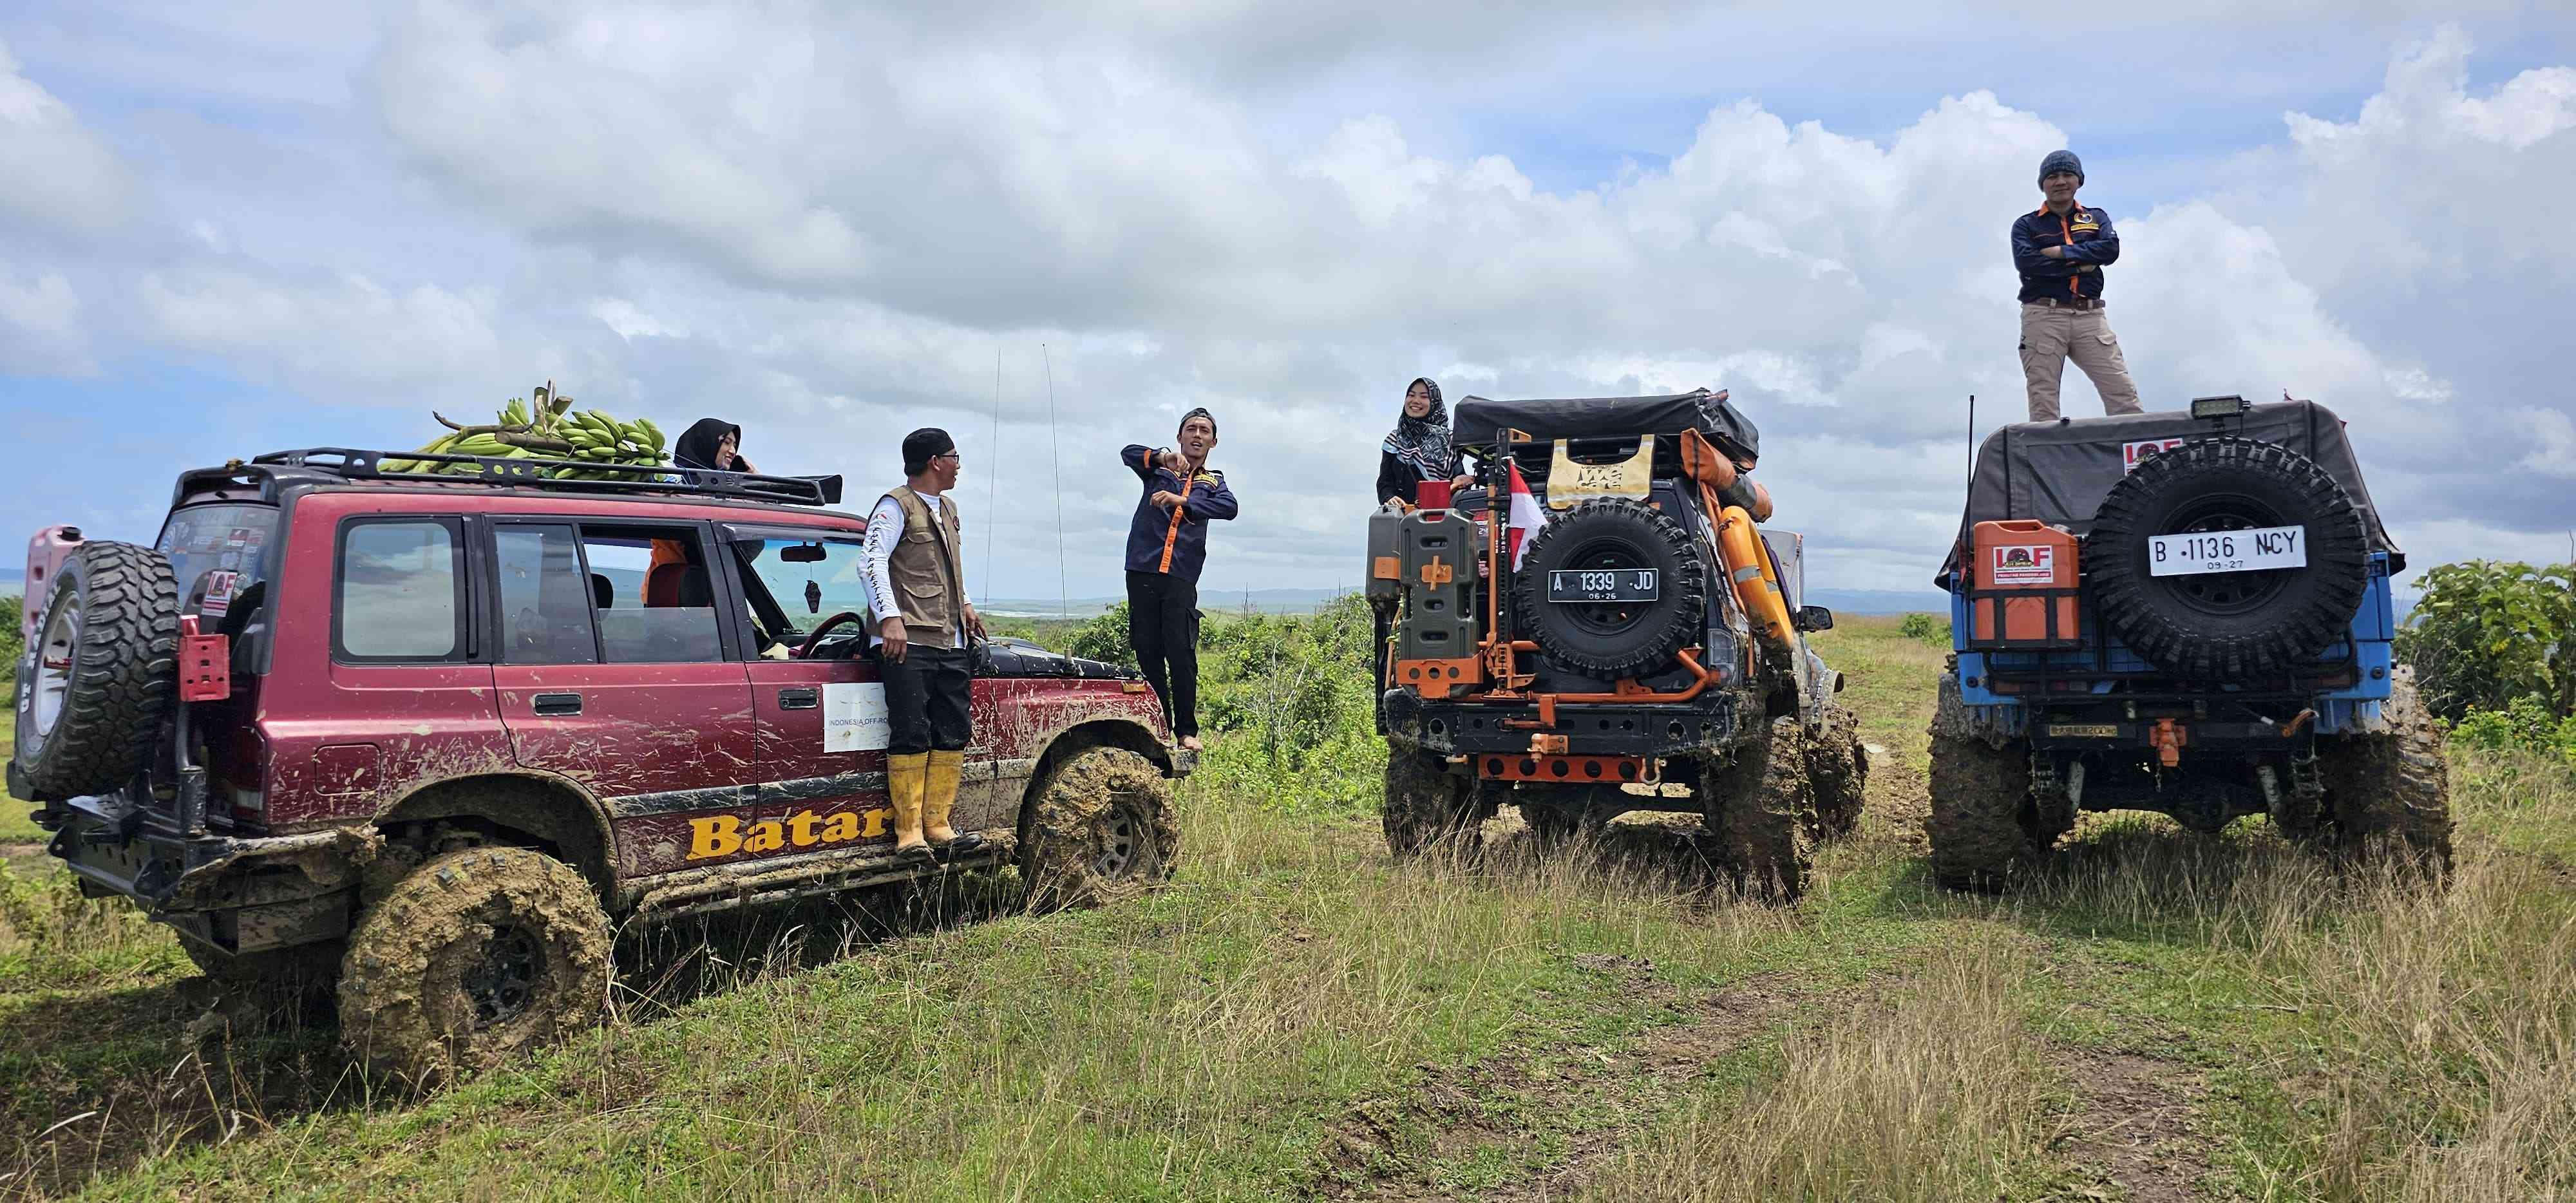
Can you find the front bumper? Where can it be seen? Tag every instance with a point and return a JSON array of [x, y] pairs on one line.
[[232, 894]]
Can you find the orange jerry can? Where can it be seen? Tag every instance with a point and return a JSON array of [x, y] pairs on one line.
[[2024, 593]]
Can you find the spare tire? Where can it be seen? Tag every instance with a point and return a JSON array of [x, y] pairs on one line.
[[1613, 640], [2228, 626], [102, 673]]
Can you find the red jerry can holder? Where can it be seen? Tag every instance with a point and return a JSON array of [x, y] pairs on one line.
[[2024, 594], [205, 664]]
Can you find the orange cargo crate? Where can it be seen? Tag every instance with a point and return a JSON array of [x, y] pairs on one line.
[[2023, 595]]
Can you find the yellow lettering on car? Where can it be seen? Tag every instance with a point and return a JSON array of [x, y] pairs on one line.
[[725, 835]]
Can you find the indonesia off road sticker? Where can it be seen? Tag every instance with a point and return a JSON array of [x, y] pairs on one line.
[[2228, 551], [854, 718], [2024, 564], [2134, 454]]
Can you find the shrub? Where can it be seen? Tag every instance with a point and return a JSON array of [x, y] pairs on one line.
[[2528, 723], [2489, 632], [1927, 628]]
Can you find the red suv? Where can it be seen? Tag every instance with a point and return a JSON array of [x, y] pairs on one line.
[[430, 736]]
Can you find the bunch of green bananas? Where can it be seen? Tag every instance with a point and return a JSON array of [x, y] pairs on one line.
[[593, 445]]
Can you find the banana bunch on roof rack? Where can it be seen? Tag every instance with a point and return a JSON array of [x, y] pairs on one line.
[[591, 444]]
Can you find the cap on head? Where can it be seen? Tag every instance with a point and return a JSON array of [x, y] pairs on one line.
[[2061, 160], [921, 445], [1200, 412]]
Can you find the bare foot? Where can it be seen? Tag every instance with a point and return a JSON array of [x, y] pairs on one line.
[[1189, 743]]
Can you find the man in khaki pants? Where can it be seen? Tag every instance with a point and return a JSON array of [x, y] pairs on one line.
[[2060, 250]]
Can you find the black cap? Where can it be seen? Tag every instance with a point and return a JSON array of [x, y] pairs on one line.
[[1200, 412], [2061, 160], [921, 445]]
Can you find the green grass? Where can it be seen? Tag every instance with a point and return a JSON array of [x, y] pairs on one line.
[[14, 824], [1295, 1016]]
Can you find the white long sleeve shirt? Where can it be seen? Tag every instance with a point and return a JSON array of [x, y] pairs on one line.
[[885, 532]]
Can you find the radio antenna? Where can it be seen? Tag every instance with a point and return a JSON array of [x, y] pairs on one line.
[[1063, 592], [1972, 441], [993, 465]]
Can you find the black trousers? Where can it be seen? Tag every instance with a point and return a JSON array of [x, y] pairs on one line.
[[927, 693], [1163, 628]]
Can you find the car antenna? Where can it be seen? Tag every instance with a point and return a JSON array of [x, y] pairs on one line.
[[993, 465], [1063, 594], [1972, 442]]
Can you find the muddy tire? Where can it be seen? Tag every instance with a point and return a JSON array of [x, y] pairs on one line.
[[102, 673], [286, 983], [1427, 805], [1984, 827], [1099, 827], [1761, 809], [471, 960], [1838, 767], [2390, 795]]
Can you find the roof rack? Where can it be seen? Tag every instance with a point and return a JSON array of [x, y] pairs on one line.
[[357, 464]]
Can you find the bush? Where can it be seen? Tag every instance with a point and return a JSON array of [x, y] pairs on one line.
[[2491, 632], [2527, 724], [1935, 631]]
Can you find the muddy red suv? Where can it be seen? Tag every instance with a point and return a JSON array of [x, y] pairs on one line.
[[432, 736]]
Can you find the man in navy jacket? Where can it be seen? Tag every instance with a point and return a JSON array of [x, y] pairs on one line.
[[1166, 546], [2060, 250]]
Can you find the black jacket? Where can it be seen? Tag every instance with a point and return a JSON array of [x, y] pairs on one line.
[[2090, 243], [1173, 541]]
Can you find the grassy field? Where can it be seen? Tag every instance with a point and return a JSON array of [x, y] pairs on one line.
[[2162, 1017]]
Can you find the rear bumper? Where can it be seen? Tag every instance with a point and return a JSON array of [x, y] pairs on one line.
[[232, 894], [1700, 727]]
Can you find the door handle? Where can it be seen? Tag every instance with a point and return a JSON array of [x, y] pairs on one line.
[[799, 699], [558, 703]]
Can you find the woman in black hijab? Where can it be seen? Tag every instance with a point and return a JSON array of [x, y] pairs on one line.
[[1419, 449], [712, 443]]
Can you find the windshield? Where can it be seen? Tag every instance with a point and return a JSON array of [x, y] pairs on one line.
[[808, 580], [216, 552]]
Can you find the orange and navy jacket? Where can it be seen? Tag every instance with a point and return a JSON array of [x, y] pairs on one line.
[[1173, 541], [2086, 234]]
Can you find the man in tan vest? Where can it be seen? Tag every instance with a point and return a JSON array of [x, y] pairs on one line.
[[923, 630]]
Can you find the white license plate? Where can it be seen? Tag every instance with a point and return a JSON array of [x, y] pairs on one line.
[[2228, 551]]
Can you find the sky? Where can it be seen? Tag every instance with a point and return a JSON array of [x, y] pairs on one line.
[[1053, 228]]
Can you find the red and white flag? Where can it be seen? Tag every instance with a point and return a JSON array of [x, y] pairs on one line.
[[1527, 515]]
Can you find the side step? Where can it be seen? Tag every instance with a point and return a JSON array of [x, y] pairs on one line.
[[760, 883]]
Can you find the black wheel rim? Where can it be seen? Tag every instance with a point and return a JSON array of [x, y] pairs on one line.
[[504, 982], [1119, 832], [2226, 593], [1603, 619]]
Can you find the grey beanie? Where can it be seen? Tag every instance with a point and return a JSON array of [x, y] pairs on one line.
[[2061, 160]]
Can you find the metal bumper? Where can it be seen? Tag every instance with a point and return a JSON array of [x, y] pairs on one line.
[[1703, 726], [233, 894]]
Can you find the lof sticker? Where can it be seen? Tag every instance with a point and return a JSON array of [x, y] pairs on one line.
[[2134, 454], [2025, 564]]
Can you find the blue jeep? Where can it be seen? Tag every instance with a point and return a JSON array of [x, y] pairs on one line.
[[2185, 613]]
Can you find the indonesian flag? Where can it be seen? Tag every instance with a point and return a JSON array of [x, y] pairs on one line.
[[1526, 517]]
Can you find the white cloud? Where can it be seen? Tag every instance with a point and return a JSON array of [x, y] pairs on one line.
[[321, 333], [40, 328], [60, 177]]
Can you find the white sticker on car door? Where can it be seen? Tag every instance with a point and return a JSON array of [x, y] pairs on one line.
[[854, 717]]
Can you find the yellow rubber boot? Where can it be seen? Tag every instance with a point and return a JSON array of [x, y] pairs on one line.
[[905, 778], [940, 799]]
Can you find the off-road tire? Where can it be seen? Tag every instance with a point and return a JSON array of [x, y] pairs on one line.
[[1985, 828], [1838, 767], [2232, 626], [1099, 827], [124, 658], [1427, 806], [289, 983], [2390, 795], [1761, 809], [1646, 634], [473, 959]]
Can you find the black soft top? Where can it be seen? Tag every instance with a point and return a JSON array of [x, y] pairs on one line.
[[1480, 422], [2059, 472]]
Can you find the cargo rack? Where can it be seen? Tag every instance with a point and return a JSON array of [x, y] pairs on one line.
[[358, 464]]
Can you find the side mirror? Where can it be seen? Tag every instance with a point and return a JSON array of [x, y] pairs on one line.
[[1814, 618]]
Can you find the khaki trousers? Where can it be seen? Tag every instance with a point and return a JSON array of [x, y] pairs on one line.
[[2050, 336]]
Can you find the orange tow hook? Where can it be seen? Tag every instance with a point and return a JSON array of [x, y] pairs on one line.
[[2167, 739]]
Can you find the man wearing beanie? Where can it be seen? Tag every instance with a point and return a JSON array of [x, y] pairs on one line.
[[2060, 249], [1166, 546], [923, 628]]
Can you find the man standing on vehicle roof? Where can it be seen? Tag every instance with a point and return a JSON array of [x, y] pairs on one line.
[[923, 629], [1166, 546], [2060, 249]]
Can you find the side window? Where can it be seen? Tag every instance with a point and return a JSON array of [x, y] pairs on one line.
[[651, 594], [546, 598], [804, 580], [400, 591]]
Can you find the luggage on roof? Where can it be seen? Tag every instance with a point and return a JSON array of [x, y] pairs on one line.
[[1480, 421]]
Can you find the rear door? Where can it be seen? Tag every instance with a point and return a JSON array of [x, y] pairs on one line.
[[820, 724], [614, 670]]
